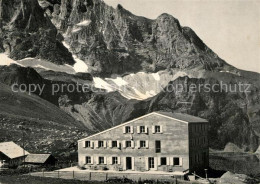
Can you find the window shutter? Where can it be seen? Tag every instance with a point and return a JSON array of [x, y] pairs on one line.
[[124, 163], [118, 144], [168, 160], [92, 160], [146, 164], [153, 129], [161, 129], [96, 143], [110, 144], [124, 143], [155, 163], [159, 161], [105, 144], [133, 163], [133, 144], [146, 129], [119, 160], [109, 160], [124, 130], [138, 130], [97, 160], [105, 160], [171, 161], [181, 160], [92, 144], [147, 144], [138, 144], [132, 129]]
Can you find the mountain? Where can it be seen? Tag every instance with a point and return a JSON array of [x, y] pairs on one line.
[[26, 32], [131, 66], [114, 41]]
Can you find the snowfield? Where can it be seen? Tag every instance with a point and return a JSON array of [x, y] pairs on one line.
[[139, 86]]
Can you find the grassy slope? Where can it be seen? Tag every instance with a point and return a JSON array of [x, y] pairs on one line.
[[48, 129], [31, 106]]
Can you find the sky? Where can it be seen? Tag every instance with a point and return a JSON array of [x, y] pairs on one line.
[[231, 28]]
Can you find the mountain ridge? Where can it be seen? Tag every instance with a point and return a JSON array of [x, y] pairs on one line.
[[114, 42]]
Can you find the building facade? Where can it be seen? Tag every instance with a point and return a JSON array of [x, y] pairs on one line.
[[159, 141]]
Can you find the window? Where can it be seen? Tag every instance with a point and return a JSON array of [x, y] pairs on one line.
[[127, 129], [176, 161], [151, 162], [157, 129], [163, 160], [87, 144], [157, 146], [142, 144], [128, 144], [101, 160], [142, 129], [114, 144], [88, 160], [114, 160], [100, 144]]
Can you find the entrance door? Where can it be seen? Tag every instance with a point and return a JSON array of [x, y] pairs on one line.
[[151, 162], [128, 163]]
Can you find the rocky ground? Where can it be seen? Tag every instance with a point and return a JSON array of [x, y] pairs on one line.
[[40, 136]]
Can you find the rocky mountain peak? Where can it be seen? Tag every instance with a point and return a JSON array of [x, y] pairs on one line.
[[114, 41], [28, 32]]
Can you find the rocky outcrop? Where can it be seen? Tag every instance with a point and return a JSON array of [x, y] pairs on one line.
[[230, 147], [26, 31], [114, 41]]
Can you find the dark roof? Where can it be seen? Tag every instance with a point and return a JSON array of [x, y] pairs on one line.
[[183, 117], [37, 158], [12, 150]]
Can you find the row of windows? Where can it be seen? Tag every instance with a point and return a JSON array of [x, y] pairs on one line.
[[198, 127], [103, 160], [117, 144], [199, 158], [198, 141], [142, 129], [175, 161]]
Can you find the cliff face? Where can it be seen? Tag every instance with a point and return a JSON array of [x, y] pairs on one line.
[[26, 31], [114, 41]]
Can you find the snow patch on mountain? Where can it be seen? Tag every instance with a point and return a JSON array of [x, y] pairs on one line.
[[46, 65], [5, 60], [43, 67], [102, 84], [139, 85], [80, 65], [231, 72], [76, 30], [84, 23], [119, 81], [156, 76]]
